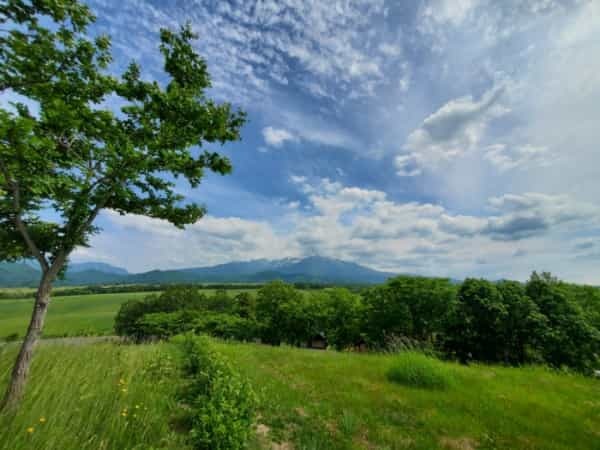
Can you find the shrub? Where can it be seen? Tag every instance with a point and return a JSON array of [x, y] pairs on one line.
[[227, 326], [164, 325], [130, 319], [418, 370], [221, 403]]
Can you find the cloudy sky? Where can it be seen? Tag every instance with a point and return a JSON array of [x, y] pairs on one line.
[[440, 137]]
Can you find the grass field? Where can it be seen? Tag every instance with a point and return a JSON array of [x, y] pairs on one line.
[[75, 315], [327, 400], [98, 396], [309, 400]]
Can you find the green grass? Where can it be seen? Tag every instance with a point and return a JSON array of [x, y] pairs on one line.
[[327, 400], [416, 369], [96, 397], [76, 315], [309, 400]]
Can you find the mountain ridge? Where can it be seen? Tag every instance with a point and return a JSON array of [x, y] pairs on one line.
[[311, 269]]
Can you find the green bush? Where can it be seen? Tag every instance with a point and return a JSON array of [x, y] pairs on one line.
[[418, 370], [221, 402], [227, 326], [164, 325], [130, 319]]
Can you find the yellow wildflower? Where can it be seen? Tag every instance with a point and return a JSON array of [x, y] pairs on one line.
[[30, 430], [42, 419]]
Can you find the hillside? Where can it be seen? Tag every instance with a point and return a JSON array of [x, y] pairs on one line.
[[308, 399], [312, 269]]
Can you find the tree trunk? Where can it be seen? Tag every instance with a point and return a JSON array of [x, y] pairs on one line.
[[20, 370]]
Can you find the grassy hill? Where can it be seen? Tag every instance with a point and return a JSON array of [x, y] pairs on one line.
[[308, 400]]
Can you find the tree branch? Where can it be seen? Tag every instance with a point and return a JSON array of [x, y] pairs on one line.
[[21, 226]]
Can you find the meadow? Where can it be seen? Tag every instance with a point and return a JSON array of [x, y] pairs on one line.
[[71, 315], [108, 396]]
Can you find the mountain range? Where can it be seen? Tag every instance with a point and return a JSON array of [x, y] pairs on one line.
[[313, 269]]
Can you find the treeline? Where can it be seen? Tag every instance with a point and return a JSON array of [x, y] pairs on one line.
[[126, 288], [541, 321]]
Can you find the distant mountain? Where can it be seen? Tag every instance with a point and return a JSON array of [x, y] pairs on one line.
[[314, 269], [27, 273], [97, 267], [18, 274]]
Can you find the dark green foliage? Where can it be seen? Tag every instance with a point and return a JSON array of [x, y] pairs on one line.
[[568, 338], [221, 403], [407, 306], [543, 321], [272, 301], [493, 322], [130, 320], [162, 325], [384, 315], [476, 327], [225, 326], [342, 314], [220, 302]]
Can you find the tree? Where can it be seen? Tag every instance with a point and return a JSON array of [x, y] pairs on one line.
[[271, 310], [386, 314], [568, 339], [342, 311], [62, 149], [476, 327]]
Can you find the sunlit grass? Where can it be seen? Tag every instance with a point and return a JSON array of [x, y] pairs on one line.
[[416, 369], [328, 400], [309, 400], [93, 397]]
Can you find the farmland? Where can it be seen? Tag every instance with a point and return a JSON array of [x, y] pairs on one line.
[[69, 315]]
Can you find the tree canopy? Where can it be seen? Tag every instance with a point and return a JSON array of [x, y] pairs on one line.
[[79, 139]]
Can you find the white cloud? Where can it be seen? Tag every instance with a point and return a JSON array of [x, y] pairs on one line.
[[506, 157], [365, 226], [253, 47], [276, 137], [453, 130]]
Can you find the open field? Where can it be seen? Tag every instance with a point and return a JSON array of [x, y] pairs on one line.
[[329, 400], [308, 400], [75, 315]]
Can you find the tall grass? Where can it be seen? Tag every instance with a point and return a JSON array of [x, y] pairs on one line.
[[418, 370], [97, 397]]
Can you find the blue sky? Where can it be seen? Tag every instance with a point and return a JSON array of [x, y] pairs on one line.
[[441, 137]]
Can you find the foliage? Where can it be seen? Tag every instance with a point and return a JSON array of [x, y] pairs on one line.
[[222, 403], [80, 157], [568, 338], [272, 301], [225, 326], [131, 318], [540, 322], [418, 370]]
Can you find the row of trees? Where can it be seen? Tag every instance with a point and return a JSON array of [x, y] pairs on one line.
[[541, 321]]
